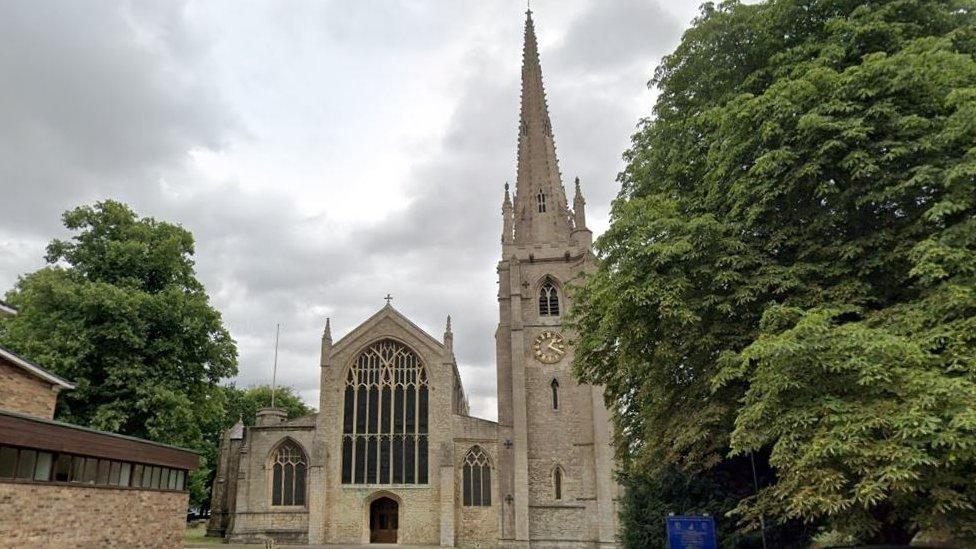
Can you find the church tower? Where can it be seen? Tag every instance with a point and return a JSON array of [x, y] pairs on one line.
[[555, 459]]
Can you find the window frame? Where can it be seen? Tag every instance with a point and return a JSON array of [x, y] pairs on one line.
[[296, 458]]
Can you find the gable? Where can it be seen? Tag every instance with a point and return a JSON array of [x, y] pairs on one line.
[[388, 323]]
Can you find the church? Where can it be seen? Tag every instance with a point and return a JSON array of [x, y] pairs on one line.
[[393, 455]]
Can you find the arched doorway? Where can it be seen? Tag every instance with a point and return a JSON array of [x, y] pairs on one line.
[[383, 521]]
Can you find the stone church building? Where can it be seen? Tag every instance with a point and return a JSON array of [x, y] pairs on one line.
[[393, 456]]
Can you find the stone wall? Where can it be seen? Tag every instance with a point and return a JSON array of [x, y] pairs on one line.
[[24, 393], [476, 526], [56, 515]]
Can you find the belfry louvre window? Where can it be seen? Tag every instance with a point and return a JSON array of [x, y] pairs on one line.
[[288, 472], [541, 200], [476, 478], [384, 424], [555, 394], [548, 300]]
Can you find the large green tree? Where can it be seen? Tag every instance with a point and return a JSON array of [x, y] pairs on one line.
[[790, 269], [119, 311]]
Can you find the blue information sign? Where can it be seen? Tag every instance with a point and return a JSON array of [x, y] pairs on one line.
[[691, 533]]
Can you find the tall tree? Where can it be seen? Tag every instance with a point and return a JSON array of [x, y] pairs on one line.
[[120, 311], [790, 269]]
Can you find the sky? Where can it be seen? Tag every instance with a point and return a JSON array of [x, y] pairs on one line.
[[323, 153]]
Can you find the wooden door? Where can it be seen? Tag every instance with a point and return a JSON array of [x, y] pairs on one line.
[[383, 521]]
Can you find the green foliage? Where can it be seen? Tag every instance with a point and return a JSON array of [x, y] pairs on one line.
[[791, 265], [244, 404], [120, 312]]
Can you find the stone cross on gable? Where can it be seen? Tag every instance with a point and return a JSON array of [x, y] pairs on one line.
[[388, 298]]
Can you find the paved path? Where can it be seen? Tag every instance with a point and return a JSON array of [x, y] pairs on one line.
[[282, 546]]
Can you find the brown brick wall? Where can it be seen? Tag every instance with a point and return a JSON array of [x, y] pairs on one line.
[[54, 515], [23, 393]]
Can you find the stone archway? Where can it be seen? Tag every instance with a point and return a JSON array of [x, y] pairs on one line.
[[384, 520]]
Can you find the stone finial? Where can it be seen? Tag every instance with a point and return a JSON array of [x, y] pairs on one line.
[[448, 335], [326, 343], [579, 208], [508, 218]]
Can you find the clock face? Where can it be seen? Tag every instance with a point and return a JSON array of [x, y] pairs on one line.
[[549, 347]]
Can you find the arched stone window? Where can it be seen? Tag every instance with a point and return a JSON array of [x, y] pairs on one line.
[[476, 478], [557, 483], [384, 424], [555, 394], [548, 299], [289, 466]]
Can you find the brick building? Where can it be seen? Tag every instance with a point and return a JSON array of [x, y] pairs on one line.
[[62, 485], [394, 456]]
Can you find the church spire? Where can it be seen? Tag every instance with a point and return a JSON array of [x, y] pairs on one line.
[[541, 211]]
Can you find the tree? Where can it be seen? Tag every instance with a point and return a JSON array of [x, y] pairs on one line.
[[244, 404], [791, 265], [119, 311]]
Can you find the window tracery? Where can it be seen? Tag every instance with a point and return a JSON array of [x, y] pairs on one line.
[[385, 409], [476, 478], [289, 470], [548, 299]]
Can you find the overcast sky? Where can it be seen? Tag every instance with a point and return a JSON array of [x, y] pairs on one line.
[[323, 153]]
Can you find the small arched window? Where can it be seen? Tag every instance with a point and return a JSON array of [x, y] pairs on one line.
[[476, 478], [541, 200], [548, 300], [557, 483], [555, 394], [289, 467]]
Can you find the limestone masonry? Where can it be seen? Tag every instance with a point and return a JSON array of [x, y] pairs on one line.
[[394, 456]]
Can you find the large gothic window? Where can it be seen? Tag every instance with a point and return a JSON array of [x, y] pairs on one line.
[[288, 468], [384, 424], [476, 478], [548, 300]]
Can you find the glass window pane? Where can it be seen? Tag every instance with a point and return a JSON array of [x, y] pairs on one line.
[[409, 461], [422, 459], [62, 468], [276, 484], [172, 479], [384, 460], [25, 464], [385, 410], [288, 492], [42, 470], [346, 460], [104, 467], [360, 473], [181, 483], [156, 473], [136, 475], [300, 484], [77, 469], [397, 459], [361, 395], [374, 401], [114, 472], [411, 410], [476, 485], [147, 473], [91, 471], [124, 474], [8, 461], [398, 409], [164, 478], [486, 485], [371, 451], [422, 413], [348, 404], [466, 484]]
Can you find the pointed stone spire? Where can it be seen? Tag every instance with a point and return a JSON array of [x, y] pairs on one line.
[[448, 336], [507, 218], [326, 344], [541, 212], [579, 208]]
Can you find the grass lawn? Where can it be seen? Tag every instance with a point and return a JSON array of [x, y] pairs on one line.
[[197, 534]]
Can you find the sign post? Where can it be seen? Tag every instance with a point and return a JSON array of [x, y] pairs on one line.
[[691, 532]]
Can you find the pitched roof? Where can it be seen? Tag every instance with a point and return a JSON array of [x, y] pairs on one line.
[[34, 369], [6, 308]]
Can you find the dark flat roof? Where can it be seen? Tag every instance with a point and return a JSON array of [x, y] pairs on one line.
[[55, 436]]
